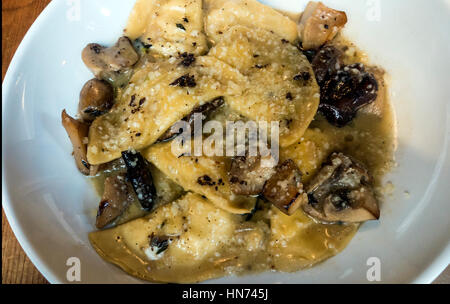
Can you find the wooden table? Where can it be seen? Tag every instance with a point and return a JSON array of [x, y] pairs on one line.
[[18, 15]]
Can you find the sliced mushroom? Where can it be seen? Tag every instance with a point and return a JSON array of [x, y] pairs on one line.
[[78, 133], [138, 173], [342, 192], [285, 189], [319, 24], [117, 196], [96, 98], [100, 59], [248, 175], [205, 109]]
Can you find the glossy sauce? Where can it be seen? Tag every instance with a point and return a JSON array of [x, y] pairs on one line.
[[290, 243]]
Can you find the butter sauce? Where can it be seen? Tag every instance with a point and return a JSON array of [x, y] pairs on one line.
[[269, 240]]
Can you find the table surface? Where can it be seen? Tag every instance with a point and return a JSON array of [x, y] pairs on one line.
[[18, 15]]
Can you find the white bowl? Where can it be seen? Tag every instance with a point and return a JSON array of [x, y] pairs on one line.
[[50, 205]]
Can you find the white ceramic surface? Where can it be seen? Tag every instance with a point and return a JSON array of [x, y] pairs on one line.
[[50, 206]]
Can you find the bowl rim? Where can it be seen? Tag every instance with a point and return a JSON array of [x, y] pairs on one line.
[[16, 226], [430, 271]]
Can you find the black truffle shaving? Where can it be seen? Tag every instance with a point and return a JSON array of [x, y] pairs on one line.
[[326, 63], [187, 59], [205, 180], [345, 93], [185, 81], [344, 89], [159, 243], [302, 76], [205, 109], [181, 27], [140, 177]]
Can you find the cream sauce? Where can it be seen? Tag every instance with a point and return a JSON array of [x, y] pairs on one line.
[[289, 243]]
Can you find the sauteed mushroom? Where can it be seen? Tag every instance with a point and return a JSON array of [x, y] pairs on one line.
[[344, 89], [248, 175], [117, 196], [96, 98], [326, 62], [285, 189], [78, 133], [319, 24], [342, 192], [204, 109], [138, 173], [344, 94], [100, 59]]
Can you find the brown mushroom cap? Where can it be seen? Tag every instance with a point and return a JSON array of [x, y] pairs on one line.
[[342, 192], [96, 98], [100, 59]]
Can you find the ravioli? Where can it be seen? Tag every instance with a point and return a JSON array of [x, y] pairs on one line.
[[310, 152], [221, 15], [198, 229], [298, 242], [169, 26], [369, 140], [152, 103], [203, 175], [202, 242], [281, 83]]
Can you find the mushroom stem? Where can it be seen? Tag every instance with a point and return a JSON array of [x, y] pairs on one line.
[[78, 133]]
